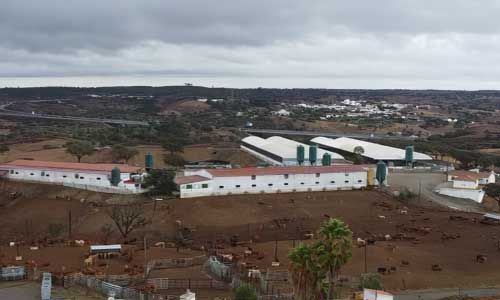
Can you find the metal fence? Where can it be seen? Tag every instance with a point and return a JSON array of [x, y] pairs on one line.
[[172, 284], [168, 263], [101, 286]]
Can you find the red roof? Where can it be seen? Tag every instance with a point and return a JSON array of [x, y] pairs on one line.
[[468, 175], [286, 170], [44, 165], [190, 179]]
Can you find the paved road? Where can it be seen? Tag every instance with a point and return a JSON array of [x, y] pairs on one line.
[[426, 183], [6, 112], [436, 294], [325, 134]]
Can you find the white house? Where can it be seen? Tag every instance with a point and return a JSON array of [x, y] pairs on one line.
[[467, 184], [95, 177], [215, 182]]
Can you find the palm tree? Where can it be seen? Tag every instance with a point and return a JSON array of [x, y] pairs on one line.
[[334, 249], [307, 275], [300, 261]]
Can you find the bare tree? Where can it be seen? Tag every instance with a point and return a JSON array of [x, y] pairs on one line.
[[127, 217]]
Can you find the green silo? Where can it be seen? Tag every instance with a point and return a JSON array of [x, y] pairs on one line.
[[149, 161], [300, 154], [409, 155], [381, 173], [327, 160], [115, 176], [313, 154]]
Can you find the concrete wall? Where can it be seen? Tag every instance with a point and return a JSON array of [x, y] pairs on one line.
[[476, 195], [276, 184]]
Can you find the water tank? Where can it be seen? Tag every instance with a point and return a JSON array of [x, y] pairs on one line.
[[115, 176], [409, 155], [381, 173], [300, 154], [327, 160], [313, 154], [149, 161]]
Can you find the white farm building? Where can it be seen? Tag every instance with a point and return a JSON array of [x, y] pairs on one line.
[[111, 178], [373, 152], [216, 182], [467, 184], [279, 151]]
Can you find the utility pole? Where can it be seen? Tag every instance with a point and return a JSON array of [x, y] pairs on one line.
[[69, 224], [366, 265], [145, 258], [419, 190]]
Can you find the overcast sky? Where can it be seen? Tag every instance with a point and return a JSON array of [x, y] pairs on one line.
[[441, 44]]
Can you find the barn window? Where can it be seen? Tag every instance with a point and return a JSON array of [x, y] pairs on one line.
[[317, 175], [346, 174], [254, 185], [237, 186], [253, 177], [270, 184], [11, 171], [32, 174], [204, 186], [189, 186], [42, 173], [360, 181], [302, 183], [17, 172], [347, 181], [77, 176], [47, 175], [82, 177], [98, 178], [317, 182], [286, 176], [221, 186], [286, 183], [64, 176]]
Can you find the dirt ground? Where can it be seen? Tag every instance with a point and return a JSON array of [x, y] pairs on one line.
[[421, 237]]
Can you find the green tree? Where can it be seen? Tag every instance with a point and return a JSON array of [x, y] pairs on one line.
[[245, 292], [123, 153], [80, 149], [3, 148], [173, 145], [160, 182], [334, 249]]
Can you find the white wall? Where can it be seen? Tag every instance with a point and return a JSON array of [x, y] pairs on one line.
[[476, 195], [463, 184], [70, 178], [276, 184]]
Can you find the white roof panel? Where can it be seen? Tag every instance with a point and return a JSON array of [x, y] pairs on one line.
[[371, 150], [105, 247], [285, 148]]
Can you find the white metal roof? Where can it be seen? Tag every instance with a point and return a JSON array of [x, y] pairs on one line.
[[105, 247], [371, 150], [285, 148]]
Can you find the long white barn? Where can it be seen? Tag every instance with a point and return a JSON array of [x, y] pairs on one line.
[[372, 151], [96, 177], [279, 151], [216, 182]]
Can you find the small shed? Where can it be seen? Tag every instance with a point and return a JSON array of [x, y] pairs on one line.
[[105, 249]]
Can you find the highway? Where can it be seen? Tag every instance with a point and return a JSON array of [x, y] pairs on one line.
[[10, 113], [326, 134]]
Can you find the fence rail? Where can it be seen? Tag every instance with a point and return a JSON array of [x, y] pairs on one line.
[[169, 284]]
